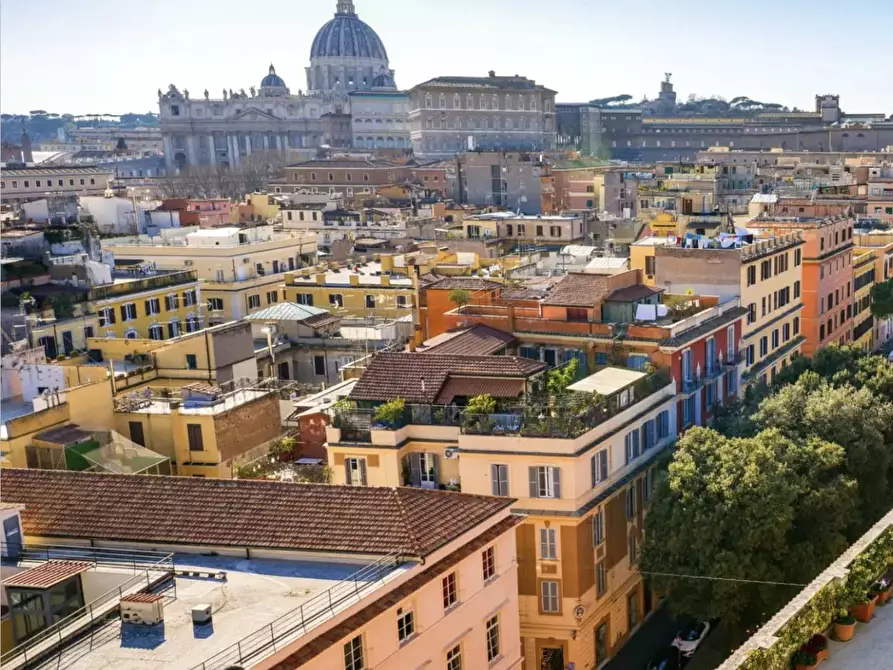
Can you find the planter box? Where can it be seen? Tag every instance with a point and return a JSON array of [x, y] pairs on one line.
[[864, 611], [844, 632]]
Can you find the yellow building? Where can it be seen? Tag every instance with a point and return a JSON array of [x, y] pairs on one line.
[[242, 269], [257, 207], [766, 274], [864, 278], [365, 288], [139, 303], [581, 470], [881, 246]]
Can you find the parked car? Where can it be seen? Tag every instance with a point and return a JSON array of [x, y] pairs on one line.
[[690, 637], [669, 658]]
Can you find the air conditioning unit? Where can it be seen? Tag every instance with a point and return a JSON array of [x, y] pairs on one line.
[[451, 453], [143, 609], [201, 614]]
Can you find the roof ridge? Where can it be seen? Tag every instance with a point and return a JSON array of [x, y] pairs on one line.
[[414, 541]]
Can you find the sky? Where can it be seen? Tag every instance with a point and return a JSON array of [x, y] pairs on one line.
[[111, 56]]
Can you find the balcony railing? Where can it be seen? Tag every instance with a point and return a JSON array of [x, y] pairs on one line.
[[144, 284], [356, 424], [566, 417]]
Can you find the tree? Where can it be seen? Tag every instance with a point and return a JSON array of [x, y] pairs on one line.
[[558, 379], [882, 299], [764, 508], [460, 296]]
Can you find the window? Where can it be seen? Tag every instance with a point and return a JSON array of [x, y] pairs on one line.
[[319, 366], [650, 261], [353, 654], [173, 328], [663, 425], [599, 466], [156, 332], [405, 625], [171, 302], [631, 442], [796, 289], [370, 302], [798, 257], [215, 304], [796, 325], [731, 383], [355, 471], [402, 302], [630, 503], [598, 528], [450, 590], [549, 600], [259, 268], [751, 275], [304, 299], [191, 362], [189, 298], [272, 297], [648, 435], [548, 544], [454, 658], [601, 643], [106, 316], [647, 486], [730, 343], [711, 394], [775, 339], [194, 435], [493, 638], [749, 355], [764, 346], [632, 549], [545, 482], [499, 475], [488, 563], [632, 608], [766, 269], [253, 301], [128, 311], [786, 332]]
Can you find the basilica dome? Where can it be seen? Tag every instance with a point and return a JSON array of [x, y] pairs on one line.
[[347, 36], [346, 54], [272, 79]]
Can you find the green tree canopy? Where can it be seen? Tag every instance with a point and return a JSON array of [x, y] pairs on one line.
[[882, 299], [460, 296], [764, 508]]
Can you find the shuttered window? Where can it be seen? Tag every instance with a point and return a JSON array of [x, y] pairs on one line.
[[545, 482]]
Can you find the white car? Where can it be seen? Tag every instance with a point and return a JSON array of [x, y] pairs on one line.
[[691, 636]]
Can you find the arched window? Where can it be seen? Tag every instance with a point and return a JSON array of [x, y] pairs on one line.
[[520, 102], [428, 103], [508, 101], [131, 334], [533, 103], [482, 101], [457, 101], [495, 101], [442, 101]]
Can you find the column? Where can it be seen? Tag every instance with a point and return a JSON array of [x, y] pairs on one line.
[[285, 140], [278, 142], [168, 151], [212, 150], [190, 150], [234, 159], [266, 142], [247, 144]]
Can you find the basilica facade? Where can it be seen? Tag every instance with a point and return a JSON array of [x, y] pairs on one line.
[[346, 57]]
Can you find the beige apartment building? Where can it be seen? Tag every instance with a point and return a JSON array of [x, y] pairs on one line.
[[30, 183], [547, 231], [580, 467], [292, 575], [241, 269]]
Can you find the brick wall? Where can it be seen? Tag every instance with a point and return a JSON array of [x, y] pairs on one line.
[[248, 426]]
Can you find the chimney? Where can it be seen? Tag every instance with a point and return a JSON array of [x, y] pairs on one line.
[[422, 379]]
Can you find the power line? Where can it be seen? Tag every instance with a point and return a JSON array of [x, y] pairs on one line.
[[722, 579]]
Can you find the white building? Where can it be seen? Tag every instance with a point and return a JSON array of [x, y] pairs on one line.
[[346, 55]]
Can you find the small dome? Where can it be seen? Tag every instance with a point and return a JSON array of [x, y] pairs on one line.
[[272, 79], [347, 36]]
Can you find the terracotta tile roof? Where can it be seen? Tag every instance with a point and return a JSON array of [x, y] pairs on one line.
[[469, 387], [319, 644], [47, 575], [578, 290], [142, 598], [243, 513], [479, 340], [418, 378], [630, 293]]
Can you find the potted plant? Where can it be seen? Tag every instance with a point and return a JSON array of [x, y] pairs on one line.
[[804, 660], [390, 414], [818, 645], [863, 610], [844, 626], [884, 589]]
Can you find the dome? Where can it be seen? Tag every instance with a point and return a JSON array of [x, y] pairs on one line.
[[384, 80], [272, 79], [346, 36]]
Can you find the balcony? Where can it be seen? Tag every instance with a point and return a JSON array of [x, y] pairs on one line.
[[128, 287]]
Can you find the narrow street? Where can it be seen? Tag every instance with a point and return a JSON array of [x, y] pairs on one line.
[[655, 634]]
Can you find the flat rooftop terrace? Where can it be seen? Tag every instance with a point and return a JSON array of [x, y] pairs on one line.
[[870, 649], [254, 595]]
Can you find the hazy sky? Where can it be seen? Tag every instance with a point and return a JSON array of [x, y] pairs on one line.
[[111, 56]]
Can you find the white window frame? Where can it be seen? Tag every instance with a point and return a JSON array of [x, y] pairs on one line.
[[130, 309], [354, 471], [598, 528], [550, 598], [405, 624], [488, 563], [545, 479], [548, 544], [154, 305], [492, 637]]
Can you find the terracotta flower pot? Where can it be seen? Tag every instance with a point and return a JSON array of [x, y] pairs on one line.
[[885, 596], [805, 667], [844, 632], [864, 611], [821, 654]]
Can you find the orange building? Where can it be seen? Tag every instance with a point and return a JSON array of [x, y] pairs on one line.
[[434, 300], [827, 276]]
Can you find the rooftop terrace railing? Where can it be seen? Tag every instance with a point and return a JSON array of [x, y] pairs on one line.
[[291, 625], [144, 284]]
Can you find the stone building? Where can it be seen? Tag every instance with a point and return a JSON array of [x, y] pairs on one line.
[[450, 114], [346, 56]]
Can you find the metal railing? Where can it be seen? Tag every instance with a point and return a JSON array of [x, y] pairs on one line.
[[299, 620], [144, 284], [363, 420], [50, 639]]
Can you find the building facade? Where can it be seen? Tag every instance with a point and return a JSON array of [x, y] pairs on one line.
[[448, 115], [24, 184], [346, 55], [379, 119]]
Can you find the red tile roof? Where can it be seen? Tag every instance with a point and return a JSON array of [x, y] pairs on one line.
[[142, 598], [470, 387], [319, 644], [47, 575], [419, 378], [435, 281], [479, 340], [242, 513], [578, 290]]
